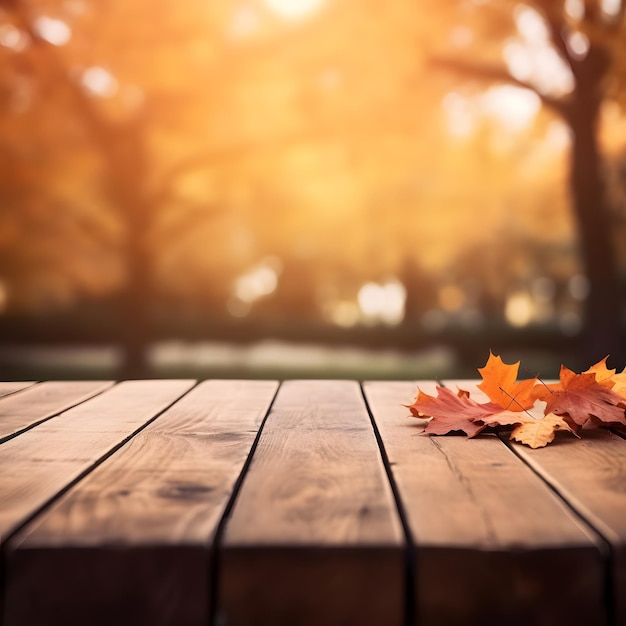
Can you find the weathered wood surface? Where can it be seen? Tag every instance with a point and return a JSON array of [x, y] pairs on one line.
[[314, 536], [43, 461], [7, 388], [40, 402], [149, 514], [590, 475], [492, 543], [157, 502]]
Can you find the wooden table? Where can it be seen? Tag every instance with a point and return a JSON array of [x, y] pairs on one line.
[[309, 502]]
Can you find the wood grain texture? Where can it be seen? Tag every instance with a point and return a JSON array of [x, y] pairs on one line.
[[493, 544], [39, 463], [40, 402], [8, 388], [590, 474], [314, 536], [134, 538]]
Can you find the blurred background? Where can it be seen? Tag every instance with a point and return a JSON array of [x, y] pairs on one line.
[[310, 188]]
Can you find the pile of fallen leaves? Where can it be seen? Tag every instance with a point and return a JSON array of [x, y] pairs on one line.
[[532, 410]]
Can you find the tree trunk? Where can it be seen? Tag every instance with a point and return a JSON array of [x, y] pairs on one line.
[[127, 172], [602, 316], [136, 331], [122, 146]]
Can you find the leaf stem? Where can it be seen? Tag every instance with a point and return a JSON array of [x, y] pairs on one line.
[[514, 399]]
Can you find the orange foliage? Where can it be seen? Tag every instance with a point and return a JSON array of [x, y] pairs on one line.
[[577, 400]]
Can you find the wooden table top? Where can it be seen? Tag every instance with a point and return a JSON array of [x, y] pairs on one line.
[[230, 502]]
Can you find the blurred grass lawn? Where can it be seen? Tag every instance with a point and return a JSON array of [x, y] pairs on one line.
[[262, 360]]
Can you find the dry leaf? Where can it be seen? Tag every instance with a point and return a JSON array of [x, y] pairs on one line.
[[539, 433], [501, 385], [595, 397], [581, 398], [603, 374], [450, 411], [507, 418], [619, 383]]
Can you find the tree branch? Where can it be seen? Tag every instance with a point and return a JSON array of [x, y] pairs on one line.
[[496, 73], [556, 26]]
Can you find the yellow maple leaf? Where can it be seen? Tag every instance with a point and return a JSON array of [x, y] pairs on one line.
[[603, 374], [539, 433], [619, 386]]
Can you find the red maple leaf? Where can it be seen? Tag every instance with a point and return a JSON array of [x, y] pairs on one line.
[[579, 398], [450, 411]]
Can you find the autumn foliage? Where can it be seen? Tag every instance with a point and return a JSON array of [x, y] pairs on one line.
[[531, 410]]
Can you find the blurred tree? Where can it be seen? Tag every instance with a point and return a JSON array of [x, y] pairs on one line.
[[211, 89], [67, 99], [571, 53], [154, 151]]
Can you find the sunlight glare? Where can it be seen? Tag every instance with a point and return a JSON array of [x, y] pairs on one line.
[[258, 282], [531, 25], [517, 60], [611, 8], [382, 303], [576, 9], [578, 45], [53, 31], [519, 309], [12, 37], [513, 106], [540, 65], [294, 9], [533, 59], [99, 81]]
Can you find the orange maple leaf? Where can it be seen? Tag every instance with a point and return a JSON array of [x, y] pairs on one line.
[[579, 399], [450, 412], [502, 387]]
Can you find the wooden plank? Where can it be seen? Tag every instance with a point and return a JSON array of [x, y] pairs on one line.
[[35, 466], [590, 474], [41, 402], [492, 543], [314, 536], [7, 388], [134, 538]]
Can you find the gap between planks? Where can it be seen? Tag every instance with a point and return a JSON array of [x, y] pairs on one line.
[[480, 520], [314, 535], [403, 494], [46, 460], [34, 405], [589, 476], [9, 388], [149, 512]]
